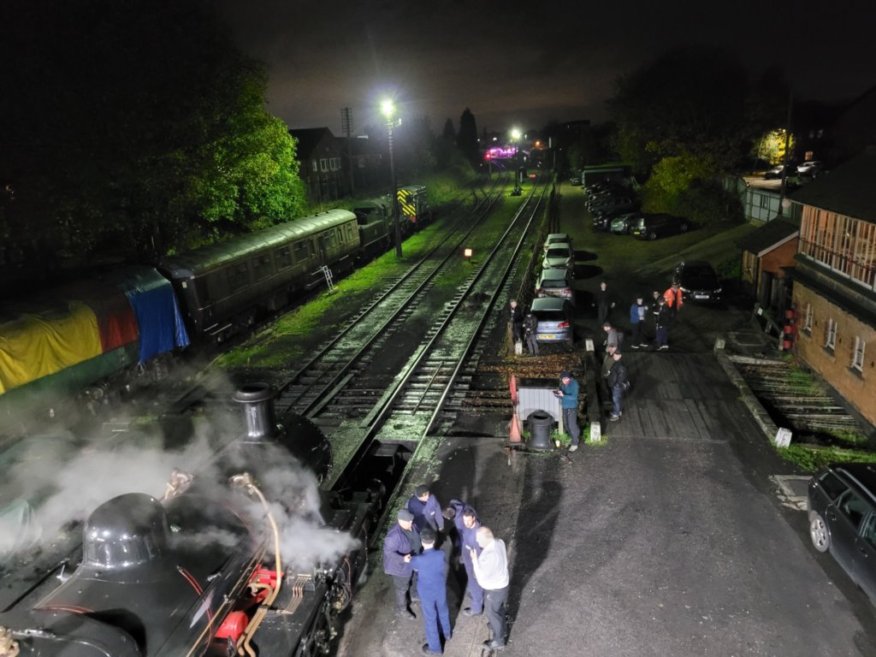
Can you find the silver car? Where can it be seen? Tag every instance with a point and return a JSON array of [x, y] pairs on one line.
[[554, 317], [554, 282], [558, 255], [553, 238]]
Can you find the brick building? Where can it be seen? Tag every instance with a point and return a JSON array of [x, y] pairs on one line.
[[767, 254], [321, 159], [835, 280]]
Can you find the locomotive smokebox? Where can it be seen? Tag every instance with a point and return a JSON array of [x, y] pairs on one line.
[[257, 400]]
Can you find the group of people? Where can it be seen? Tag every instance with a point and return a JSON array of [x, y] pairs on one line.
[[416, 555], [524, 327], [662, 311]]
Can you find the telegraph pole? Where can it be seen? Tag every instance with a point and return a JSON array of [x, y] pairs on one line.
[[347, 127]]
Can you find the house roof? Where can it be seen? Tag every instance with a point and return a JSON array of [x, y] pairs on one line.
[[308, 139], [769, 236], [847, 190]]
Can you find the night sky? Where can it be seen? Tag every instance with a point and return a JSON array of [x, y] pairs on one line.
[[524, 64]]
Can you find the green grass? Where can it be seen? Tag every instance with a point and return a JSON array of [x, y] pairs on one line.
[[811, 458]]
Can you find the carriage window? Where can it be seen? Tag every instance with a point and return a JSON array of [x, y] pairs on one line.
[[261, 266], [301, 250], [237, 277], [283, 257]]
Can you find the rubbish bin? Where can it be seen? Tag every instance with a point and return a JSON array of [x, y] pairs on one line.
[[540, 425]]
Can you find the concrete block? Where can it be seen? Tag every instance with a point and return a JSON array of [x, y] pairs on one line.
[[595, 432], [783, 438]]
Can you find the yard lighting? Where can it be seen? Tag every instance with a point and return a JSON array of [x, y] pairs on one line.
[[387, 108]]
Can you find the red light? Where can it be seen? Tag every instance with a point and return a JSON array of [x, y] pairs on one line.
[[563, 325]]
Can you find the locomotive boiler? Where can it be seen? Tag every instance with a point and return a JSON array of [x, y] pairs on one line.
[[207, 569]]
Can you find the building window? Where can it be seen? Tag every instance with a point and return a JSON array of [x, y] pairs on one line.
[[858, 354], [807, 319], [323, 164], [830, 335], [315, 166]]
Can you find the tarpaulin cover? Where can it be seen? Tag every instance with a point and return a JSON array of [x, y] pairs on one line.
[[158, 316], [115, 317], [37, 344]]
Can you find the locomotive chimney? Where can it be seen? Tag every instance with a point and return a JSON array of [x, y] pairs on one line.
[[258, 408]]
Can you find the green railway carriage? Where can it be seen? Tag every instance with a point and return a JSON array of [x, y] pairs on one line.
[[225, 285]]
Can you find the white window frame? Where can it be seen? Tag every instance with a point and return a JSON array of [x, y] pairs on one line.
[[830, 335], [858, 354], [323, 164], [807, 318]]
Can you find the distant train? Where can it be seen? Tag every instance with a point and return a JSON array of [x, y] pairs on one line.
[[207, 570], [91, 329]]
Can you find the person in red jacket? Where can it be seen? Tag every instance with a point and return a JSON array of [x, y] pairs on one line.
[[674, 298]]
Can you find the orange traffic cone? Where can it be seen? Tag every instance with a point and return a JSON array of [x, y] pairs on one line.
[[514, 435]]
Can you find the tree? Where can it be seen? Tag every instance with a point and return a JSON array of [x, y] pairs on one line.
[[691, 100], [136, 122], [467, 137]]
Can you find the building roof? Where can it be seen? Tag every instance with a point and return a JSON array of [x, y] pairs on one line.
[[847, 190], [308, 139], [769, 236]]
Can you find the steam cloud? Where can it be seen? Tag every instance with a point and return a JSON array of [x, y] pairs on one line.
[[52, 484]]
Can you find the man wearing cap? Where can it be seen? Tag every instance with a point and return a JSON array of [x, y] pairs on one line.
[[431, 571], [568, 394], [426, 509], [467, 524], [402, 542], [491, 570]]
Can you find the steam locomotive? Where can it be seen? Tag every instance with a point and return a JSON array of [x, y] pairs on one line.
[[88, 330], [203, 571]]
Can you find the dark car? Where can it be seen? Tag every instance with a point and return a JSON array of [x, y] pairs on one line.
[[652, 226], [842, 519], [622, 224], [699, 281]]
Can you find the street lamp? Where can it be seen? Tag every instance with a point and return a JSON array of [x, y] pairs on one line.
[[387, 108], [516, 137]]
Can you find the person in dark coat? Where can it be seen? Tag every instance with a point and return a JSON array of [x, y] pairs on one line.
[[663, 322], [431, 569], [466, 520], [402, 542], [617, 383], [426, 509], [530, 332], [515, 320], [654, 310], [603, 302]]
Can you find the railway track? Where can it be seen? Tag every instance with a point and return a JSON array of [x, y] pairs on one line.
[[351, 349], [423, 396]]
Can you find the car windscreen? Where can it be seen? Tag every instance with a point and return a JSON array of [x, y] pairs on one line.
[[549, 315], [558, 253], [554, 283]]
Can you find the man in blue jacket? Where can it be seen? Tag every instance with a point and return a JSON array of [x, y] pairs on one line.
[[432, 586], [426, 509], [638, 314], [401, 543], [467, 524], [568, 394]]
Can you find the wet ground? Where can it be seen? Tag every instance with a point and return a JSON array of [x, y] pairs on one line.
[[667, 538]]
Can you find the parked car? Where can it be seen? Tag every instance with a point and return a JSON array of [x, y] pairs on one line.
[[699, 281], [652, 226], [842, 519], [554, 282], [553, 238], [622, 224], [776, 171], [614, 204], [560, 254], [809, 168], [554, 320]]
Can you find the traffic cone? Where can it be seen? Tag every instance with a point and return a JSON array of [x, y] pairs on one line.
[[514, 435]]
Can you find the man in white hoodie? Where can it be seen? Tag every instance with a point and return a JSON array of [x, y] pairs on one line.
[[491, 572]]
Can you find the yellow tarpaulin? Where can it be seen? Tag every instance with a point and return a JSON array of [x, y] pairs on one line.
[[35, 345]]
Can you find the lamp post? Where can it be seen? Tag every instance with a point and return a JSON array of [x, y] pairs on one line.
[[387, 108], [516, 136]]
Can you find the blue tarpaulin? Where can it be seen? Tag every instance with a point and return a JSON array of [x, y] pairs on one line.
[[158, 316]]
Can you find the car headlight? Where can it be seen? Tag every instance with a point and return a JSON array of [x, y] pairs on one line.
[[718, 291]]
